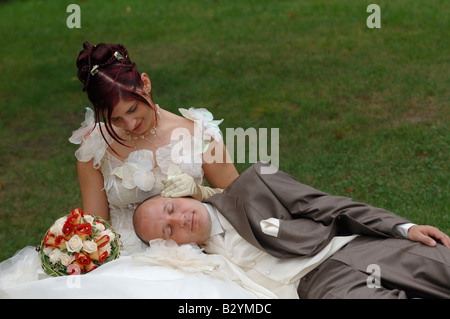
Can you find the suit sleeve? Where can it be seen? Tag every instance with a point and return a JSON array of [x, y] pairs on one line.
[[350, 217]]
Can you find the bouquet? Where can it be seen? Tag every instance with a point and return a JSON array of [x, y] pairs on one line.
[[77, 244]]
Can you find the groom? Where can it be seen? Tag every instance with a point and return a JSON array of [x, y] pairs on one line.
[[326, 246]]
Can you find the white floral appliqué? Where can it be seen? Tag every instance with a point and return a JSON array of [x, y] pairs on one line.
[[136, 170], [94, 145], [203, 117]]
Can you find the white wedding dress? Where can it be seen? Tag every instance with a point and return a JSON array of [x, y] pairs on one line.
[[163, 270]]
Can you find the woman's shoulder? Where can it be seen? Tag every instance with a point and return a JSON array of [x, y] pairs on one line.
[[193, 121], [174, 121]]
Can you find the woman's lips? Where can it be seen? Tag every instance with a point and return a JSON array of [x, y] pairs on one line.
[[137, 127]]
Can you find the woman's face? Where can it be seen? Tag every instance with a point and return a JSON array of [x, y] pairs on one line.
[[133, 116]]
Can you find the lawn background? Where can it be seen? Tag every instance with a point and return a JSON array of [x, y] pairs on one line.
[[362, 112]]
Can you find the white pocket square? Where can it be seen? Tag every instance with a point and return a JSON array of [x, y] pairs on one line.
[[270, 226]]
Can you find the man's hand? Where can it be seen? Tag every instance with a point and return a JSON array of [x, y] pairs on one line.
[[428, 235]]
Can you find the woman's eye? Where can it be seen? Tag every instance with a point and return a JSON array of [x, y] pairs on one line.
[[132, 109]]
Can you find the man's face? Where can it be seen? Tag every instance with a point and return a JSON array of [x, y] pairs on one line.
[[184, 220]]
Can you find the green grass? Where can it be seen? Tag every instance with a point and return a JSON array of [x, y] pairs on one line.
[[362, 112]]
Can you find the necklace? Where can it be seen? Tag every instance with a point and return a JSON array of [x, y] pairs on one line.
[[144, 136]]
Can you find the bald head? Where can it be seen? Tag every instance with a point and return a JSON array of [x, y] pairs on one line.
[[184, 220]]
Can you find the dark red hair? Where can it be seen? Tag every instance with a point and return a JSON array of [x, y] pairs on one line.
[[109, 77]]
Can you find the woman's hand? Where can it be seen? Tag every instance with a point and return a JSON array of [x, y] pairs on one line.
[[185, 185], [428, 235]]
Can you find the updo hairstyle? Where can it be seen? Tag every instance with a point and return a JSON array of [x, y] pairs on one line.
[[108, 76]]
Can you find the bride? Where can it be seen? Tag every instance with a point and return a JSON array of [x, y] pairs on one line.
[[124, 161], [131, 149]]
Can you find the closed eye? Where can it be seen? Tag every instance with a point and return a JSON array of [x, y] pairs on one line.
[[132, 108], [168, 229]]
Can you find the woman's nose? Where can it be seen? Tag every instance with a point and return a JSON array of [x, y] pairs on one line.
[[129, 123]]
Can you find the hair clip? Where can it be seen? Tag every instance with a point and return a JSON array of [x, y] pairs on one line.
[[118, 55], [94, 70]]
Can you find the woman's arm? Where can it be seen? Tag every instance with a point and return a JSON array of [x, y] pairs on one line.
[[92, 193], [218, 167]]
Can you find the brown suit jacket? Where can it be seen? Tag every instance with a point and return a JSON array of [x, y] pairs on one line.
[[309, 218]]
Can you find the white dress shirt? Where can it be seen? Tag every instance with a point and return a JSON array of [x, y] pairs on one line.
[[281, 276]]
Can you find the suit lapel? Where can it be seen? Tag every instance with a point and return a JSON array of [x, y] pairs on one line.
[[234, 211]]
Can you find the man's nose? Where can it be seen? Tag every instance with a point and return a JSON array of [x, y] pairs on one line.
[[179, 219]]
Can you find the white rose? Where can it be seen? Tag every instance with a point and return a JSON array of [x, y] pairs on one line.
[[66, 259], [100, 226], [55, 256], [89, 219], [89, 246], [75, 244], [58, 226], [48, 250]]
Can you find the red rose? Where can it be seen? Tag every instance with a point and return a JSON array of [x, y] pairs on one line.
[[68, 230], [90, 267], [84, 229], [74, 269], [99, 256], [102, 241], [103, 256], [51, 241], [83, 258], [75, 216]]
